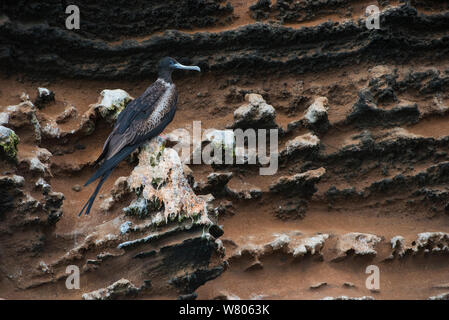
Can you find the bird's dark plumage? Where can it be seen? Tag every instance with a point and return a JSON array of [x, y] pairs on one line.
[[142, 119]]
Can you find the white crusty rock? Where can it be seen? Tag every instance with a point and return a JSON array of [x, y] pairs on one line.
[[281, 241], [305, 142], [426, 242], [442, 296], [315, 117], [317, 111], [125, 227], [107, 204], [8, 143], [108, 106], [111, 103], [18, 180], [120, 288], [4, 118], [37, 165], [160, 180], [43, 154], [69, 113], [51, 130], [360, 243], [21, 115], [255, 114], [24, 97], [41, 184], [432, 242], [397, 246], [43, 92], [38, 161], [311, 245]]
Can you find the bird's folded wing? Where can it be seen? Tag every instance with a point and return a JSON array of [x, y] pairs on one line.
[[136, 111]]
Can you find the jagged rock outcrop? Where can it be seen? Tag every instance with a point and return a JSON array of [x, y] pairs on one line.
[[300, 184], [120, 289], [22, 115], [216, 184], [38, 161], [359, 244], [365, 112], [162, 186], [111, 103], [294, 244], [68, 114], [425, 243], [8, 143], [315, 118], [442, 296], [256, 114], [303, 144], [20, 209]]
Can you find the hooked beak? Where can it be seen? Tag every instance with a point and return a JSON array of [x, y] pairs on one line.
[[181, 66]]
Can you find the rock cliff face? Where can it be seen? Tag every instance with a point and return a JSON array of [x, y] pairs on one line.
[[362, 177], [164, 241]]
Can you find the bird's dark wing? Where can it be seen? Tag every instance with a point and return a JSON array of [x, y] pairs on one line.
[[143, 124], [137, 110]]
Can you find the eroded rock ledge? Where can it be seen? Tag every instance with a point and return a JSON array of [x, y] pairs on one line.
[[239, 50]]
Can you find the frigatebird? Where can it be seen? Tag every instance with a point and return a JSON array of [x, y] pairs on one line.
[[143, 118]]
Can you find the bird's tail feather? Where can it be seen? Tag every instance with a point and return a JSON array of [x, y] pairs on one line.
[[91, 200], [110, 164]]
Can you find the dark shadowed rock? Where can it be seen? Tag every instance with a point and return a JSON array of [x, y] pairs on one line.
[[366, 113], [44, 96]]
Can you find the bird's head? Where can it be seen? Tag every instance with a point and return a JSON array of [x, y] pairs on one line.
[[167, 65]]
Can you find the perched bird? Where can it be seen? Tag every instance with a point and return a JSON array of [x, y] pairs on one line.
[[143, 118]]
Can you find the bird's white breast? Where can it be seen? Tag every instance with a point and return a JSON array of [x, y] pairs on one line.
[[162, 104]]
